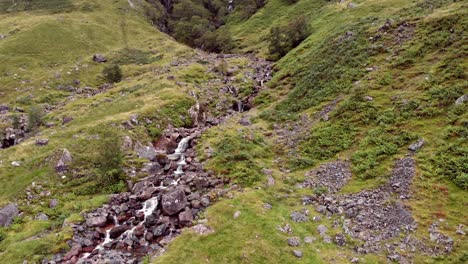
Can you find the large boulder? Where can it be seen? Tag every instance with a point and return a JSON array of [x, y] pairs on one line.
[[173, 202], [7, 214]]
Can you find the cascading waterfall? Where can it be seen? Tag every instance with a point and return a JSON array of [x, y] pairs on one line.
[[183, 145], [151, 204]]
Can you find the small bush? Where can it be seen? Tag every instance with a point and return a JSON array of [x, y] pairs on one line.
[[2, 234], [35, 117], [110, 160], [112, 73], [285, 38]]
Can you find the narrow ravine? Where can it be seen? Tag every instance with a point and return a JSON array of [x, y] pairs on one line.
[[142, 222]]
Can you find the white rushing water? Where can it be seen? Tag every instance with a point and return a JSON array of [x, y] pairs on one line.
[[181, 148]]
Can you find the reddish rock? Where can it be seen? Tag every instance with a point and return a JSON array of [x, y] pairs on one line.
[[74, 251], [165, 144], [186, 218], [139, 231]]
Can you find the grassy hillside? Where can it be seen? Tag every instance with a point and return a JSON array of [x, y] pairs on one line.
[[372, 77], [392, 71]]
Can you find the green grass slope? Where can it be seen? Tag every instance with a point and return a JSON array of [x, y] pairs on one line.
[[410, 57]]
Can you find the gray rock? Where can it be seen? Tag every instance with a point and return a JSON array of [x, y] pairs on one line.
[[205, 201], [270, 181], [368, 98], [7, 214], [4, 107], [267, 206], [294, 241], [127, 143], [99, 221], [202, 229], [16, 164], [245, 121], [146, 152], [173, 202], [42, 142], [322, 229], [309, 239], [64, 161], [41, 217], [66, 120], [297, 253], [299, 217], [462, 99], [416, 145], [99, 58], [53, 203]]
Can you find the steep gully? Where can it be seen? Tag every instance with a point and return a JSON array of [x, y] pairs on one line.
[[142, 222]]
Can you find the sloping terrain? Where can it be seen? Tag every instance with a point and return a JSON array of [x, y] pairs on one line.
[[351, 148]]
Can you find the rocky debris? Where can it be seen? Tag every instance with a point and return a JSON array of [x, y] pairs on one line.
[[299, 217], [267, 206], [462, 99], [416, 145], [7, 214], [340, 239], [16, 164], [309, 239], [444, 242], [333, 176], [402, 176], [42, 142], [294, 241], [368, 98], [297, 253], [461, 230], [201, 229], [371, 216], [285, 229], [354, 260], [99, 58], [64, 161]]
